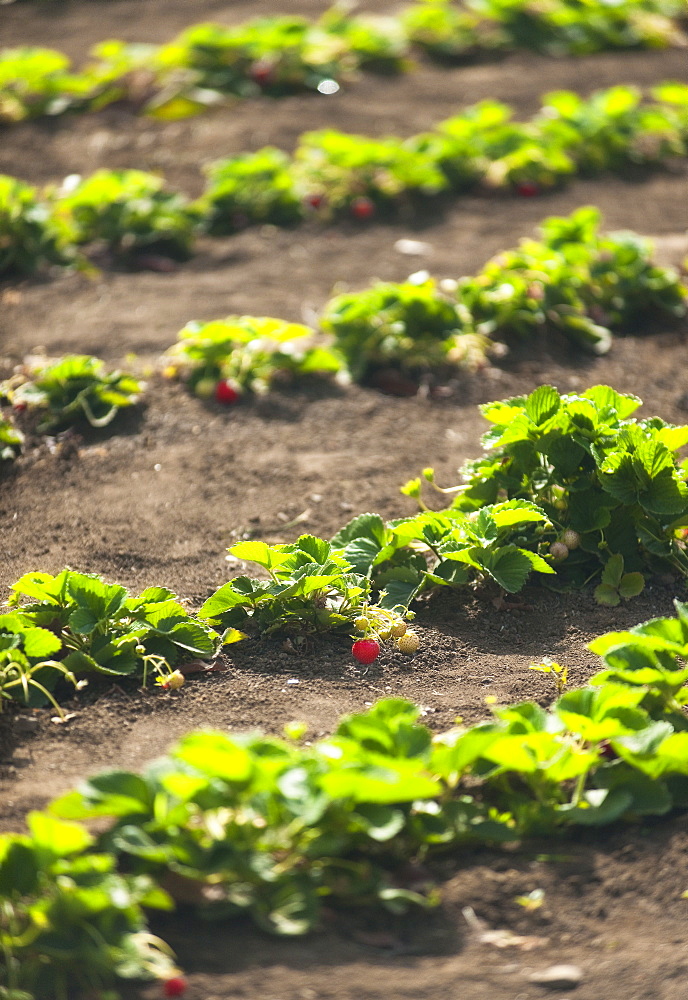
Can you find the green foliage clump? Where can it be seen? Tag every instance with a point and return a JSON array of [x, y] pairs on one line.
[[250, 188], [447, 30], [413, 326], [273, 830], [31, 79], [341, 168], [614, 480], [251, 352], [69, 922], [129, 211], [29, 234], [100, 628], [570, 486], [575, 280], [65, 392], [311, 587]]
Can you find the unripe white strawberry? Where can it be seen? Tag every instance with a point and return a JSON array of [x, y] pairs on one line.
[[408, 642], [399, 629], [173, 681], [558, 551], [361, 624], [571, 539]]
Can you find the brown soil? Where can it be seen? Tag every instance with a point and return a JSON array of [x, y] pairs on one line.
[[160, 499]]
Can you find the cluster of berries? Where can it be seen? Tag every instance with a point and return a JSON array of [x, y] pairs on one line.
[[568, 541], [377, 627]]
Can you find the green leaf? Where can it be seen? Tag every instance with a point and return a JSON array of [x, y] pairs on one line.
[[603, 807], [381, 822], [361, 554], [509, 567], [665, 495], [40, 643], [604, 397], [389, 781], [613, 571], [57, 836], [102, 600], [607, 594], [40, 586], [542, 404], [631, 585], [112, 793], [19, 867], [539, 564], [506, 515], [399, 587], [215, 755], [370, 526], [317, 548], [83, 621], [589, 510], [261, 553]]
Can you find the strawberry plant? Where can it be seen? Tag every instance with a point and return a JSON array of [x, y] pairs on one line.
[[502, 545], [102, 629], [334, 174], [374, 43], [245, 353], [448, 32], [614, 480], [250, 188], [413, 326], [611, 128], [28, 673], [275, 55], [31, 79], [266, 827], [128, 211], [281, 55], [69, 922], [29, 236], [346, 168], [66, 392], [575, 281], [310, 588]]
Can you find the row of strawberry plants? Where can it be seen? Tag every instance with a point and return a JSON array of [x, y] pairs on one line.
[[572, 487], [278, 55], [275, 828], [574, 282], [333, 175]]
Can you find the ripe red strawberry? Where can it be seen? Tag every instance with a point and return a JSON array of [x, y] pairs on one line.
[[226, 393], [528, 189], [365, 650], [19, 407], [261, 73], [314, 201], [362, 208], [174, 987]]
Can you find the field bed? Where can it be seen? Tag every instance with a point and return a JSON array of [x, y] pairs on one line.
[[158, 501]]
